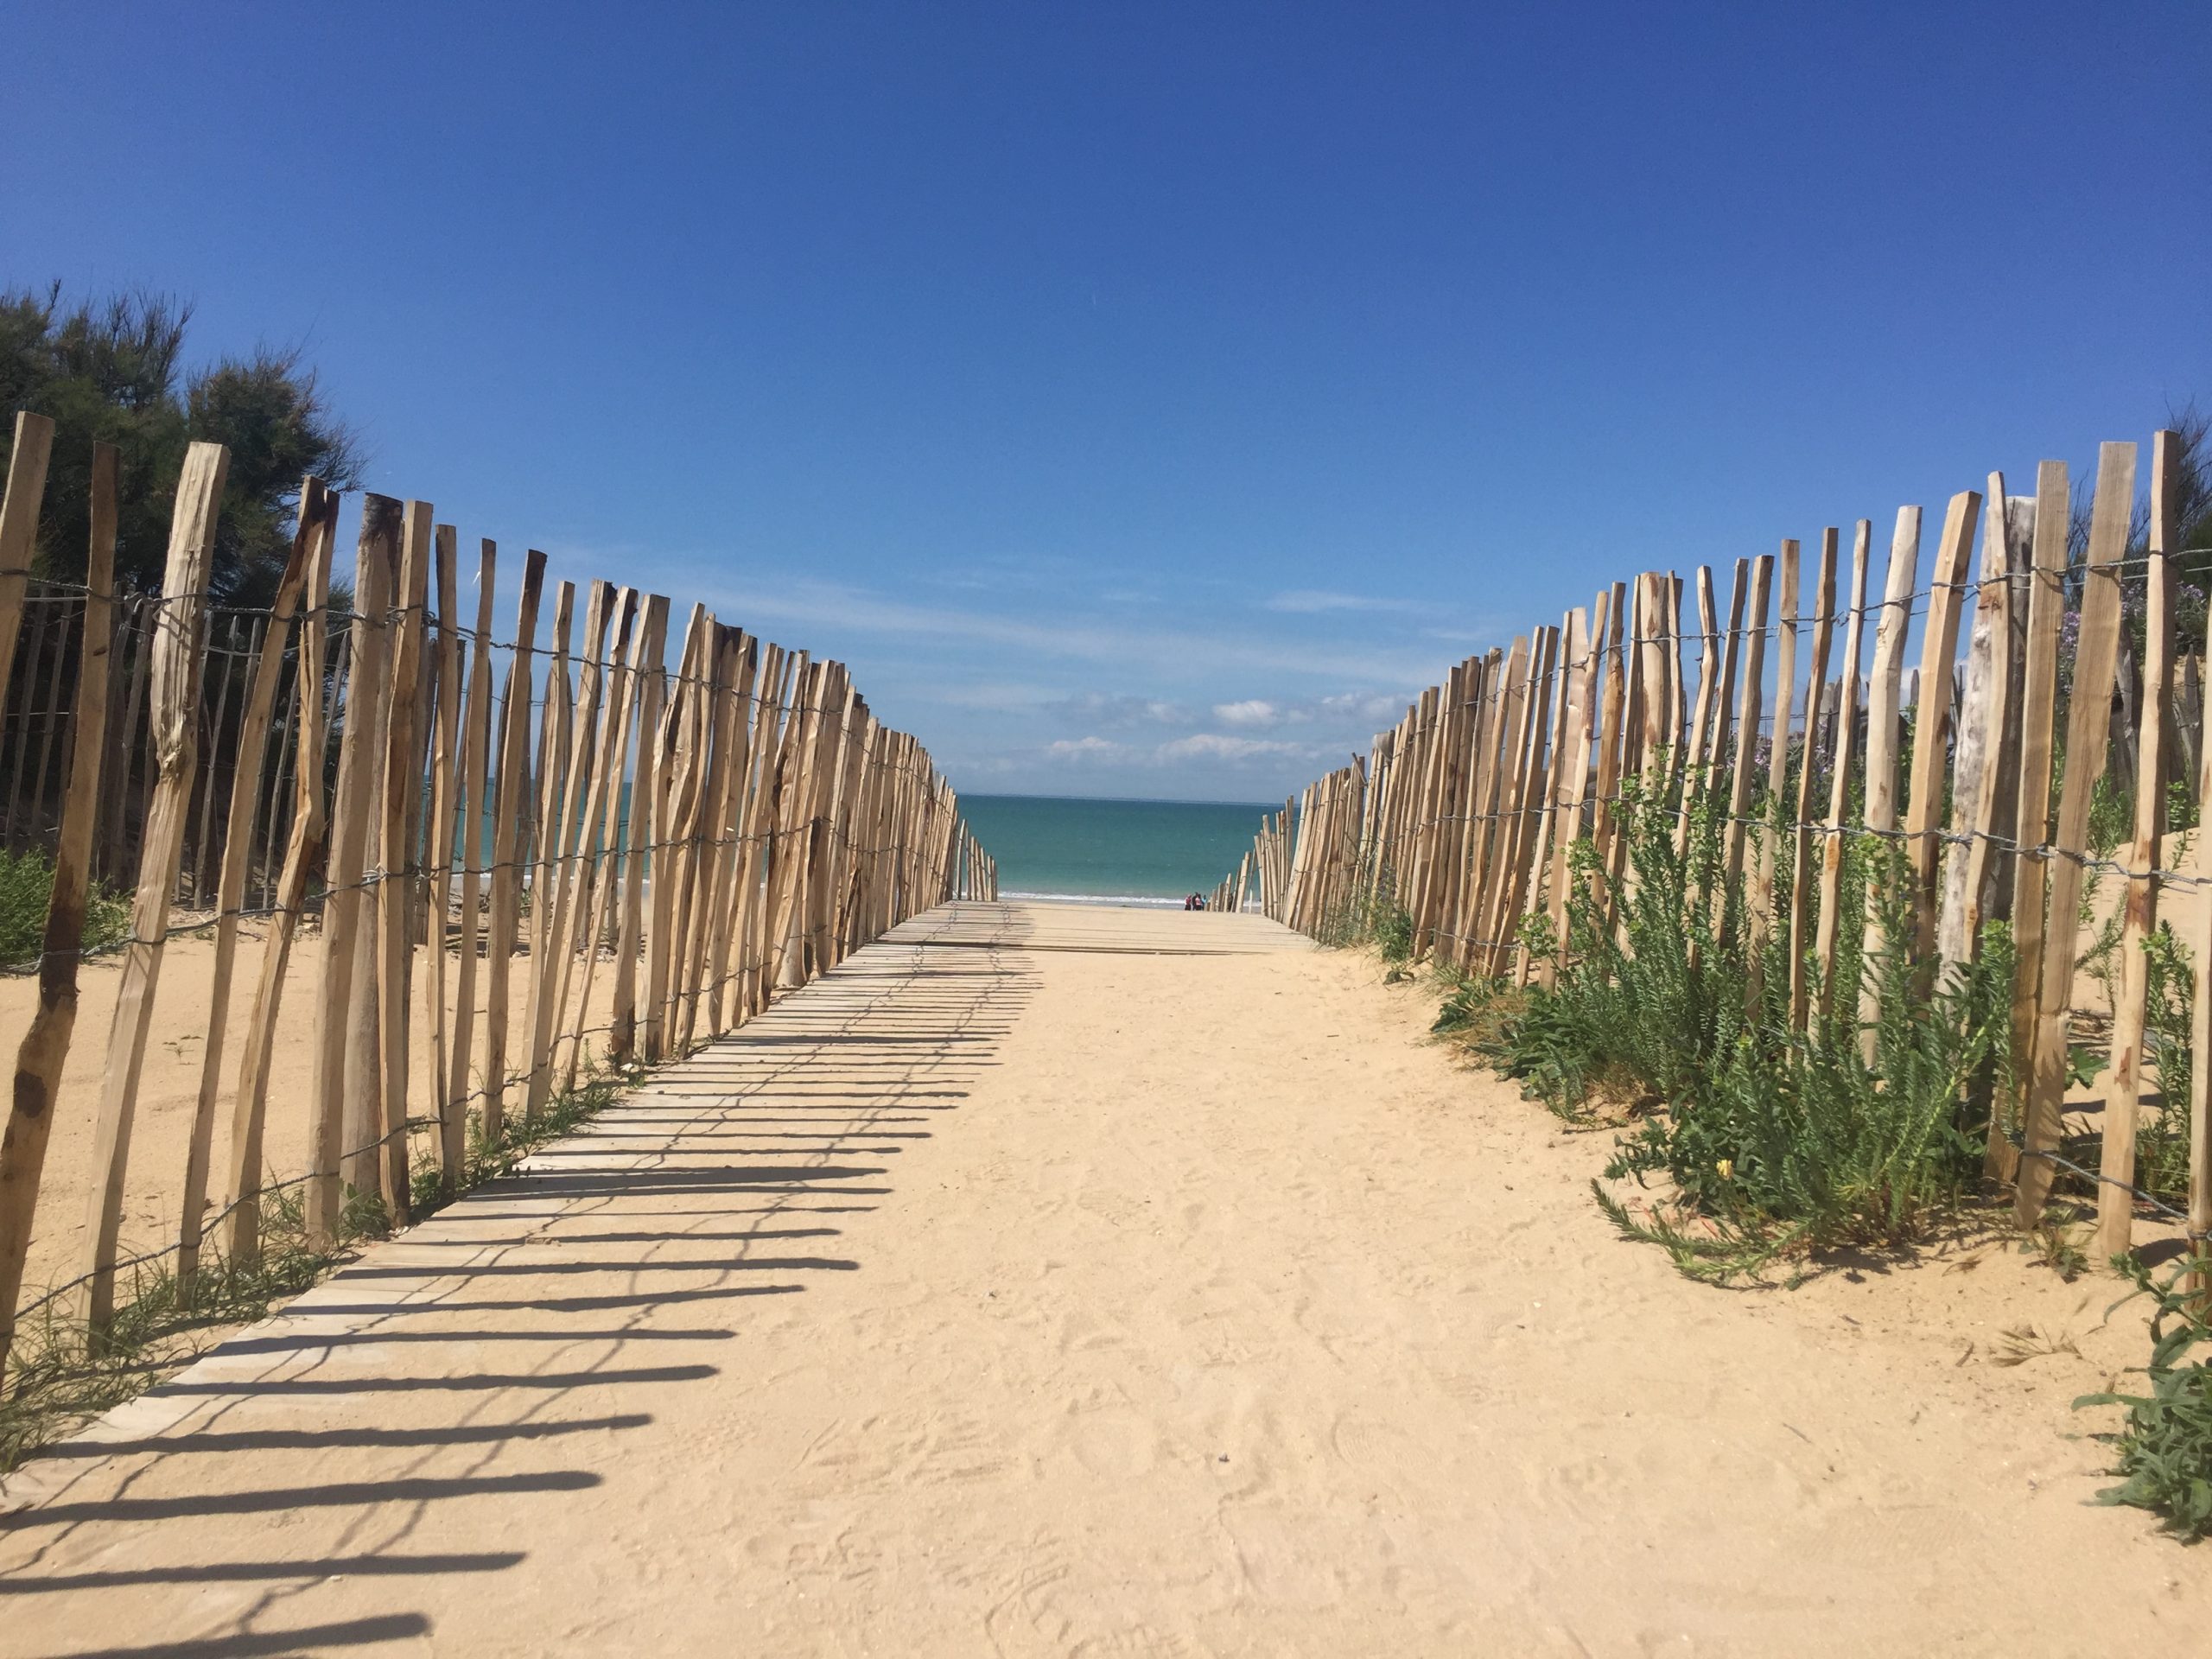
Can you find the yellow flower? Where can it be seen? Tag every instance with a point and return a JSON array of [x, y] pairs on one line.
[[1727, 1168]]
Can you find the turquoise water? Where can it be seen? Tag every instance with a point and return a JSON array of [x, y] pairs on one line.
[[1136, 851]]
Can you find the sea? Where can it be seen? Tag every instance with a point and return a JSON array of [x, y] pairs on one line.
[[1112, 852]]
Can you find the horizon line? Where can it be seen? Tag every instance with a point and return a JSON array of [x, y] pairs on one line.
[[1130, 800]]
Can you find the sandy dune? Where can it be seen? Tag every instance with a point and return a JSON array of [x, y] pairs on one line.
[[1056, 1281]]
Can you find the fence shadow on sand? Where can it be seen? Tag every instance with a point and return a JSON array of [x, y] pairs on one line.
[[408, 1418]]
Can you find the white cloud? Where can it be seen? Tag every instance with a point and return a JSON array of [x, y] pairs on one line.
[[1312, 601], [1339, 707], [1362, 705], [1083, 748], [1220, 745]]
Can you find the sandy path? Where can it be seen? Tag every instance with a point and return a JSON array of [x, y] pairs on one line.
[[1032, 1292]]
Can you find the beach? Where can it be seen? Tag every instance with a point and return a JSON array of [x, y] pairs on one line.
[[1078, 850], [1058, 1280]]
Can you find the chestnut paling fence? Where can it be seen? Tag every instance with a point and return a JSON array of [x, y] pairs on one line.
[[1464, 816], [466, 822]]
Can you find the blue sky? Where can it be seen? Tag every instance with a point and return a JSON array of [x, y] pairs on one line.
[[1148, 400]]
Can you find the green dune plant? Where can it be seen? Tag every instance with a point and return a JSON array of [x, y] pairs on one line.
[[1770, 1141], [2164, 1443], [26, 887]]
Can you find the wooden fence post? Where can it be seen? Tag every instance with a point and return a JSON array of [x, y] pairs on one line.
[[1498, 741], [552, 932], [2038, 718], [556, 770], [1574, 776], [794, 821], [444, 721], [716, 714], [2123, 1093], [726, 821], [1531, 772], [642, 827], [1614, 721], [1988, 727], [376, 562], [1884, 691], [604, 730], [1698, 762], [511, 798], [1551, 830], [401, 845], [2087, 723], [773, 735], [1802, 913], [45, 1044], [1740, 771], [318, 531], [1427, 790], [1448, 864], [1846, 728], [620, 857], [248, 761], [471, 798], [1479, 781], [675, 750], [1655, 681], [176, 662], [1767, 855], [1675, 712], [1932, 722], [19, 511]]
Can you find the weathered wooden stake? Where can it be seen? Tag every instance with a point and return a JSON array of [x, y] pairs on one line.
[[175, 671], [45, 1047]]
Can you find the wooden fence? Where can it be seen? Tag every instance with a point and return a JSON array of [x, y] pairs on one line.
[[1462, 818], [468, 823]]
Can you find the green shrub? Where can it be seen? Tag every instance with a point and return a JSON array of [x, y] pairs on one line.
[[1373, 918], [1808, 1133], [1391, 932], [1649, 1004], [26, 888], [1774, 1139], [2166, 1446], [1479, 1012]]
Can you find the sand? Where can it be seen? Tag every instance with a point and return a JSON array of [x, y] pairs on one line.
[[169, 1090], [1021, 1288]]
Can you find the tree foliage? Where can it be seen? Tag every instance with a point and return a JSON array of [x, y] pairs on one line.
[[112, 371]]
